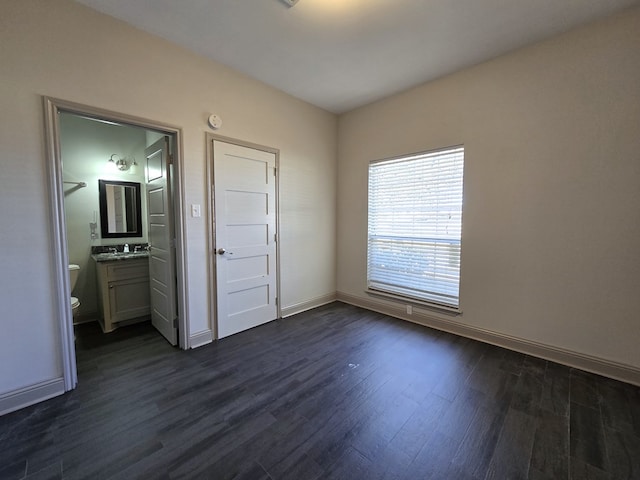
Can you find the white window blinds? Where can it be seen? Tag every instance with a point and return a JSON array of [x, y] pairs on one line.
[[415, 226]]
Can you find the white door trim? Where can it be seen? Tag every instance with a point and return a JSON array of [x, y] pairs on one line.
[[59, 255], [211, 264]]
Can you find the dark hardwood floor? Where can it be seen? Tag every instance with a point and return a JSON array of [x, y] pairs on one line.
[[334, 393]]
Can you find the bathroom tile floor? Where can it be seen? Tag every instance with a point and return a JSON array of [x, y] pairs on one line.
[[334, 393]]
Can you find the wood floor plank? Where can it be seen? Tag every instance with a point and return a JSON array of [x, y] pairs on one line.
[[497, 385], [197, 458], [556, 388], [421, 426], [511, 457], [14, 470], [633, 393], [624, 454], [434, 460], [479, 442], [584, 389], [528, 392], [350, 464], [583, 471], [51, 472], [550, 454], [615, 406], [587, 442], [375, 436]]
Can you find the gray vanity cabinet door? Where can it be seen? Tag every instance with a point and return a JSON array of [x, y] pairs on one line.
[[123, 292], [129, 299]]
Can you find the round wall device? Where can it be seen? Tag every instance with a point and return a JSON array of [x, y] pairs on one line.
[[215, 121]]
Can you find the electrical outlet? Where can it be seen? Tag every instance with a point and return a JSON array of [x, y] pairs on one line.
[[409, 310]]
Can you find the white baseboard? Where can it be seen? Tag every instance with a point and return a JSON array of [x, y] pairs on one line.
[[201, 338], [23, 397], [600, 366], [308, 305]]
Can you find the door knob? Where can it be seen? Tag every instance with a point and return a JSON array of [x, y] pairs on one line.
[[221, 251]]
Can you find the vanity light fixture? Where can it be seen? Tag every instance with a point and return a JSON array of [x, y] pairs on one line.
[[133, 167], [121, 163]]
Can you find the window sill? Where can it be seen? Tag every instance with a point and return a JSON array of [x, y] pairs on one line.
[[414, 301]]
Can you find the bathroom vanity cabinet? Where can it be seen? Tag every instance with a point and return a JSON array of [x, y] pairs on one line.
[[123, 292]]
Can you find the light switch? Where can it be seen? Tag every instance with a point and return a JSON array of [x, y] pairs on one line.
[[195, 210]]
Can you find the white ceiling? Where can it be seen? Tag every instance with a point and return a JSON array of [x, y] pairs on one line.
[[341, 54]]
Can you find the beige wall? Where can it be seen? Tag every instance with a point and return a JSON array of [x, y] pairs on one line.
[[551, 229], [64, 50]]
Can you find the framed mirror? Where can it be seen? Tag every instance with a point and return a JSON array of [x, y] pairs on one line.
[[120, 209]]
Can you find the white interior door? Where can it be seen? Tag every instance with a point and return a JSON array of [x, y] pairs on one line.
[[162, 277], [245, 241]]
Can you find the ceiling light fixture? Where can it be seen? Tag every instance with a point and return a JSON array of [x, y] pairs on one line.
[[291, 3]]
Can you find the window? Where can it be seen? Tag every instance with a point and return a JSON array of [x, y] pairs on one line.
[[415, 226]]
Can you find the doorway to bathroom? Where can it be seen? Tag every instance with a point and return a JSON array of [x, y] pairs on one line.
[[116, 190]]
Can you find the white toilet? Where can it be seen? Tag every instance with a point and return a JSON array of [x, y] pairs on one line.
[[74, 270]]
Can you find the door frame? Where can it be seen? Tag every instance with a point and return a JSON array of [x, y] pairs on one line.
[[213, 257], [59, 253]]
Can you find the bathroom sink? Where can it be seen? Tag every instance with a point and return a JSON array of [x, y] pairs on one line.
[[108, 257]]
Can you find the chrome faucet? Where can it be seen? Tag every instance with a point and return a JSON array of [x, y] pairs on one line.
[[137, 248], [113, 250]]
